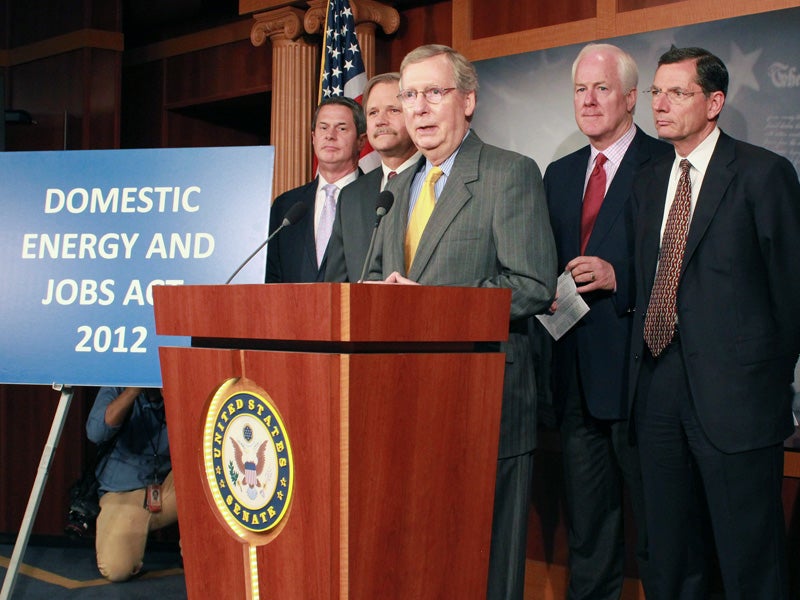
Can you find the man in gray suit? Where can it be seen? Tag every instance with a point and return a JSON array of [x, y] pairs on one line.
[[387, 134], [488, 227]]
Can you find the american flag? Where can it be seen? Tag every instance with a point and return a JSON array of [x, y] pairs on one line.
[[343, 72]]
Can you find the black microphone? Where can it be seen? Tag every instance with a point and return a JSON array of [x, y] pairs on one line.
[[382, 206], [293, 215]]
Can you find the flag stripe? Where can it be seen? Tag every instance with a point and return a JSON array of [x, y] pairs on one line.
[[342, 72]]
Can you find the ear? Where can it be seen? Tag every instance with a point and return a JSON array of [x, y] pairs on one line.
[[716, 100], [469, 104], [630, 99]]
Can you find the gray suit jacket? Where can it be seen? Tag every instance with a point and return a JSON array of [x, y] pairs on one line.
[[490, 228], [352, 228]]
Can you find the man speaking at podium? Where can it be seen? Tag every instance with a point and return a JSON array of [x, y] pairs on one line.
[[471, 214]]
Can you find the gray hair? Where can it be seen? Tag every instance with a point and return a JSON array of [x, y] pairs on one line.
[[466, 77], [626, 67]]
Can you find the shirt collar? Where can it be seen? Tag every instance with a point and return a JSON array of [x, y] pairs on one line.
[[701, 155], [616, 151], [339, 183]]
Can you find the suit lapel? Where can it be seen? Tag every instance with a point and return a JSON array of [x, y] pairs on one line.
[[715, 182], [397, 221], [573, 194], [453, 197], [309, 245], [652, 213]]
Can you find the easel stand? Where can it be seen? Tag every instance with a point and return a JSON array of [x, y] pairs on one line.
[[38, 489]]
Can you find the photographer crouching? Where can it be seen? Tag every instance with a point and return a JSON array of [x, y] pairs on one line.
[[135, 478]]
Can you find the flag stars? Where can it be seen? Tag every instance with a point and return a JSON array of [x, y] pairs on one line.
[[342, 61]]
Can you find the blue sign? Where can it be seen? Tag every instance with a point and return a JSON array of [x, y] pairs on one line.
[[87, 234]]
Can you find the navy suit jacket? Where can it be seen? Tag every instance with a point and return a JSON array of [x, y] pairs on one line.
[[292, 255], [738, 295], [600, 342]]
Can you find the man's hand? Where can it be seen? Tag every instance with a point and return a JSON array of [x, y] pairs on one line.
[[395, 277], [591, 273]]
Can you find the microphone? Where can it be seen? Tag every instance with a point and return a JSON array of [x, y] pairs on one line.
[[382, 206], [292, 216]]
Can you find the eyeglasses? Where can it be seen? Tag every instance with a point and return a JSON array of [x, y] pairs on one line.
[[674, 95], [432, 94]]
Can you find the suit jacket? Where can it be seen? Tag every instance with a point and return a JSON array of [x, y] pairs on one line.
[[738, 293], [349, 244], [600, 342], [489, 229], [292, 255]]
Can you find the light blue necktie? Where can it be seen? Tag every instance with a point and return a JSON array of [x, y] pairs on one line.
[[325, 225]]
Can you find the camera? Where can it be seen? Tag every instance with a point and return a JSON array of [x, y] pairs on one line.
[[83, 511]]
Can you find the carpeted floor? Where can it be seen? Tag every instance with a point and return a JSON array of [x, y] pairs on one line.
[[63, 569]]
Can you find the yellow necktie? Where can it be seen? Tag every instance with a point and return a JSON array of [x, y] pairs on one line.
[[420, 215]]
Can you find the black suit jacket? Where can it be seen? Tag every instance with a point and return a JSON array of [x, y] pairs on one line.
[[600, 342], [738, 294], [352, 228]]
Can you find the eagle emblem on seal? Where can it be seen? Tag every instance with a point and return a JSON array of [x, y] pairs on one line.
[[253, 465]]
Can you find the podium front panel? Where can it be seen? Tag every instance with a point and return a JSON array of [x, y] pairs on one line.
[[394, 459]]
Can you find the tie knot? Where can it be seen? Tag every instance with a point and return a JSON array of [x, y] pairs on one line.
[[685, 166], [330, 191], [600, 160], [391, 174], [433, 175]]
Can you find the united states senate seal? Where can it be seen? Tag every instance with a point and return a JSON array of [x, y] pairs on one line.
[[248, 459]]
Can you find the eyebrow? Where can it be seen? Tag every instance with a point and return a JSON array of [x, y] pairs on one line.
[[601, 82]]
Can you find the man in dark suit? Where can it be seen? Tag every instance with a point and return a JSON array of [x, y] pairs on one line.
[[488, 227], [594, 239], [715, 340], [387, 134], [297, 254]]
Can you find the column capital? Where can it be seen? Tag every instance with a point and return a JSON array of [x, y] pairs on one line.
[[284, 23], [364, 11]]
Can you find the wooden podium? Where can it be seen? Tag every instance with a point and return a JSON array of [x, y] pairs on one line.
[[391, 398]]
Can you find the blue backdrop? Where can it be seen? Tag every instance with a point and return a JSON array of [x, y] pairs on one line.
[[85, 236]]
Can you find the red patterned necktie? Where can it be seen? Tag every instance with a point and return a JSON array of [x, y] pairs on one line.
[[592, 199], [659, 323]]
